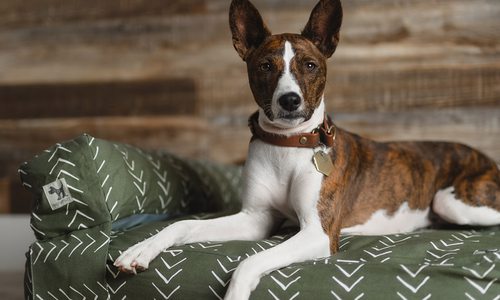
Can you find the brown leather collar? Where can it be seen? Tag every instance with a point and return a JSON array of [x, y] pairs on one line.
[[323, 135]]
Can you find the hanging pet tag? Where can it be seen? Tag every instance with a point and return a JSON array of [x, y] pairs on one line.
[[323, 162]]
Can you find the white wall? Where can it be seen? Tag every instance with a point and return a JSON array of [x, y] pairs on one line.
[[15, 237]]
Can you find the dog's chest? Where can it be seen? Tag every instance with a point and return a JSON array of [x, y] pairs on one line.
[[278, 175]]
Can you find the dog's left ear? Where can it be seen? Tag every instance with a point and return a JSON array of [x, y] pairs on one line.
[[324, 26], [247, 27]]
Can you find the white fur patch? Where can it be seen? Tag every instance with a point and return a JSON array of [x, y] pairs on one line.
[[453, 210], [403, 220], [287, 82], [287, 129], [293, 189]]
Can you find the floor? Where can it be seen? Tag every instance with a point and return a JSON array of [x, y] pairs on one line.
[[11, 286], [16, 235]]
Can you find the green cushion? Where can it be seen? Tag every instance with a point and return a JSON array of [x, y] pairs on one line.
[[84, 186], [445, 264], [108, 181]]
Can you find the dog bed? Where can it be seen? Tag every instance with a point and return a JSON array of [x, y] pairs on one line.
[[94, 199]]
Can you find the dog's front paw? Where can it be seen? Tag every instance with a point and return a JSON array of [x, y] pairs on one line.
[[138, 257], [243, 282]]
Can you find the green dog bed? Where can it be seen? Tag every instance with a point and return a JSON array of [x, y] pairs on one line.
[[94, 199]]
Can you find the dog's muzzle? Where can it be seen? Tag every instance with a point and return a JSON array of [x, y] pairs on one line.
[[290, 101]]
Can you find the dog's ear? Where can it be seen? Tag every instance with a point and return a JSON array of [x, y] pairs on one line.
[[324, 26], [247, 27]]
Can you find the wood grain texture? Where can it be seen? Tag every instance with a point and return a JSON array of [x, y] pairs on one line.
[[164, 75], [4, 195], [393, 55], [175, 96], [18, 13]]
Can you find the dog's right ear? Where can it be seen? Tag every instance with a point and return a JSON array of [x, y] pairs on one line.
[[247, 27]]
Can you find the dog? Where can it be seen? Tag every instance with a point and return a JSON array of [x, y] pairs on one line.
[[303, 168], [59, 192]]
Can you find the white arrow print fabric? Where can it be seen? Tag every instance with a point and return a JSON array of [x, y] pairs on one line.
[[109, 182]]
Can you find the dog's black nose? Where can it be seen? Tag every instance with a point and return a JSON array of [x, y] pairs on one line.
[[290, 101]]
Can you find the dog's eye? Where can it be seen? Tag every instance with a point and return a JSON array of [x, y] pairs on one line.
[[311, 66], [265, 67]]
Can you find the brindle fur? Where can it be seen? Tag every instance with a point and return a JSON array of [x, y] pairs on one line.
[[370, 176]]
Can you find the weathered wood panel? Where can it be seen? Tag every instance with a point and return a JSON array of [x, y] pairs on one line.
[[5, 195], [16, 13], [476, 127], [405, 69], [448, 56], [404, 88], [118, 98]]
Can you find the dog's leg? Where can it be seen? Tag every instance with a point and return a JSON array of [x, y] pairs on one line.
[[246, 225], [310, 243]]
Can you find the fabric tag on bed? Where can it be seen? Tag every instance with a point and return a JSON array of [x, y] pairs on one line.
[[57, 193]]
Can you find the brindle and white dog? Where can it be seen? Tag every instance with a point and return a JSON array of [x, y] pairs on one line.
[[371, 188]]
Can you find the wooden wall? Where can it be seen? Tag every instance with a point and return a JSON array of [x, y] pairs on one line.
[[163, 74]]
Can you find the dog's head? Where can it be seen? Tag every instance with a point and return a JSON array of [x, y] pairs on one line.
[[287, 72]]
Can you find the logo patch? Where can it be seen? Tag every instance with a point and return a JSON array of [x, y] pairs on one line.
[[57, 193]]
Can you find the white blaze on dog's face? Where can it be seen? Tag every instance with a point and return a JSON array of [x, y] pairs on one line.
[[287, 72], [287, 76], [287, 102]]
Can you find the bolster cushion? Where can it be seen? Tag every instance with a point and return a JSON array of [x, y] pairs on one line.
[[87, 182]]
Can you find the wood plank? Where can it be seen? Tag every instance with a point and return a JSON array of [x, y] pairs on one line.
[[377, 88], [117, 98], [16, 13], [460, 22], [5, 195], [13, 12], [456, 21], [476, 127]]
